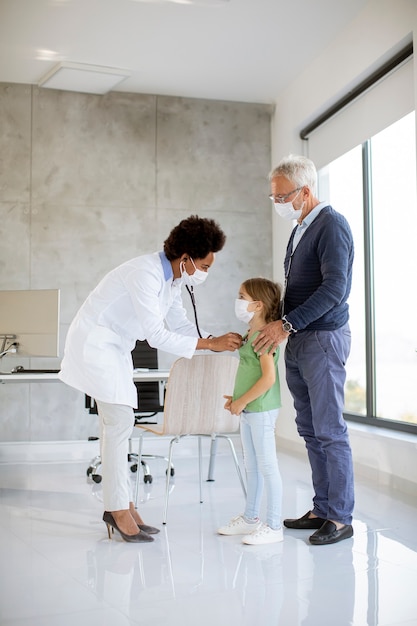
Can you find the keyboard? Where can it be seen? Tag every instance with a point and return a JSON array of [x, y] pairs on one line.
[[22, 370]]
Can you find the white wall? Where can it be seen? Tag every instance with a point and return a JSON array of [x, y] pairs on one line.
[[378, 31], [88, 182]]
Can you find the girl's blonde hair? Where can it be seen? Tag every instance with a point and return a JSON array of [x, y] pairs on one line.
[[267, 292]]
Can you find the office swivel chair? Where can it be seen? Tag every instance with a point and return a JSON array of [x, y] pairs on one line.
[[149, 405]]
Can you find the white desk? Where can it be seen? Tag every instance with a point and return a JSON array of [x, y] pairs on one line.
[[139, 376], [50, 377]]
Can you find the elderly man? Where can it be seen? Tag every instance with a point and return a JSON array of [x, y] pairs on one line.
[[318, 274]]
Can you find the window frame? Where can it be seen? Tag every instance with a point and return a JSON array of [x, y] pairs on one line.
[[370, 312]]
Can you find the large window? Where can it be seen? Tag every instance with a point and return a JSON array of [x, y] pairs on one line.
[[374, 186]]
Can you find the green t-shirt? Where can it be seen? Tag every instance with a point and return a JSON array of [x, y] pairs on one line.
[[249, 371]]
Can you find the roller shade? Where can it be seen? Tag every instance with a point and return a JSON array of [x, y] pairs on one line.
[[377, 108]]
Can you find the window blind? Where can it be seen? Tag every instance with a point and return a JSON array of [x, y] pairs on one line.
[[390, 98]]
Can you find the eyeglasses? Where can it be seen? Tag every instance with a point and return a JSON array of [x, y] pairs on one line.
[[281, 199]]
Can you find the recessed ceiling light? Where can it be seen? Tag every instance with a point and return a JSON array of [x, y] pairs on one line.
[[83, 78], [206, 3], [47, 55], [200, 2]]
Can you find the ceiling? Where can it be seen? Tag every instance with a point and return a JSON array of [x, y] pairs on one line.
[[237, 50]]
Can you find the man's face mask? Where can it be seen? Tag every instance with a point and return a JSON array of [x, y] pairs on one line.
[[286, 209]]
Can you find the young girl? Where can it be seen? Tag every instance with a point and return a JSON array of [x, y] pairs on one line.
[[257, 398]]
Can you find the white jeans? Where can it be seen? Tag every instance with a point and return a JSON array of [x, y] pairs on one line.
[[257, 432], [116, 425]]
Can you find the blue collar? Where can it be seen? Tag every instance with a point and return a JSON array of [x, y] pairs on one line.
[[166, 266]]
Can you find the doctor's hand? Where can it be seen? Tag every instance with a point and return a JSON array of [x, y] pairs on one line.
[[230, 342]]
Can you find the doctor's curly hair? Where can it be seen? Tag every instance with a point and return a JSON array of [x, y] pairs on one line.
[[196, 236]]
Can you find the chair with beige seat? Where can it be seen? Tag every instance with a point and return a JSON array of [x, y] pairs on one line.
[[194, 406]]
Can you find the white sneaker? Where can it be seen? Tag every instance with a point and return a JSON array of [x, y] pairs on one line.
[[263, 535], [238, 526]]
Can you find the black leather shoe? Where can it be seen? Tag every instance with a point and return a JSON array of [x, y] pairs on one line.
[[305, 522], [329, 533]]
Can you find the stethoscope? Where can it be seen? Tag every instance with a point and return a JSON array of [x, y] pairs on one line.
[[191, 292]]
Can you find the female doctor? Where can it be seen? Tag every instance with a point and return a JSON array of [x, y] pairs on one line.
[[140, 299]]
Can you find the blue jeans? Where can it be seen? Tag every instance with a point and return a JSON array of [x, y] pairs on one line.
[[257, 432], [315, 371]]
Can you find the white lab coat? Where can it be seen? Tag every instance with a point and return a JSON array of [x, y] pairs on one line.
[[137, 300]]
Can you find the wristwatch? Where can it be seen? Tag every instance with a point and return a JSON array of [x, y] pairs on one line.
[[287, 326]]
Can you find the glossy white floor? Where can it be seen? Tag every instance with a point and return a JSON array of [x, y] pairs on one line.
[[58, 568]]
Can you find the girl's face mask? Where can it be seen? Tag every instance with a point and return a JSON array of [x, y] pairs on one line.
[[241, 310]]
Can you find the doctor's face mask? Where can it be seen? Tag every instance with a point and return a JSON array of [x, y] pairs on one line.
[[192, 280]]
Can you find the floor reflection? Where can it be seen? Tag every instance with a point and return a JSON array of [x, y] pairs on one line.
[[58, 566]]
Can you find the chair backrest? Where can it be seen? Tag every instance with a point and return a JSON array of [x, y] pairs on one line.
[[194, 402], [143, 355]]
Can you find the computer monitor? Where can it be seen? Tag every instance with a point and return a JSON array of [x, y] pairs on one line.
[[29, 319]]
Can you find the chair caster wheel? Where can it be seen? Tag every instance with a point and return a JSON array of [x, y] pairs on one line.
[[147, 478], [96, 478]]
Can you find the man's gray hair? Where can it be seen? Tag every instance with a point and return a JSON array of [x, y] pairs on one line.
[[299, 170]]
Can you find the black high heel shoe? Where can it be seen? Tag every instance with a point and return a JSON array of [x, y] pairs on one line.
[[110, 522], [149, 530]]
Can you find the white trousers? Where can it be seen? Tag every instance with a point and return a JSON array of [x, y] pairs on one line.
[[116, 425]]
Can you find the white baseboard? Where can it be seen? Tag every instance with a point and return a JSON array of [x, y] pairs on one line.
[[76, 451], [380, 455]]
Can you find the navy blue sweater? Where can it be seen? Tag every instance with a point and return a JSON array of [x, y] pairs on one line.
[[320, 274]]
